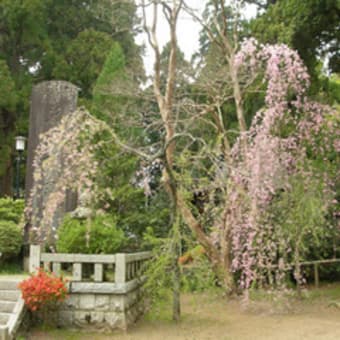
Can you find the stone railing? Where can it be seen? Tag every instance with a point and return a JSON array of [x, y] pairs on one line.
[[124, 267], [104, 290]]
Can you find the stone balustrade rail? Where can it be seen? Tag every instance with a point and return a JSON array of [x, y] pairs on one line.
[[123, 267]]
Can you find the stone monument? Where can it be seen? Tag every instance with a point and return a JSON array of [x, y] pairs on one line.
[[50, 101]]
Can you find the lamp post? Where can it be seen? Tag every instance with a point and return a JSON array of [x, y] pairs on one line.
[[19, 147]]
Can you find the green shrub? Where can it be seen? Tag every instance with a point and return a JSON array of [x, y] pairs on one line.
[[71, 236], [11, 239], [199, 276], [104, 236], [11, 210]]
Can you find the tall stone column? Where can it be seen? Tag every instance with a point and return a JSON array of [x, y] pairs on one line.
[[50, 101]]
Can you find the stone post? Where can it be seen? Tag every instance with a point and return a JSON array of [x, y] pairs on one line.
[[98, 272], [77, 272], [120, 274], [34, 260]]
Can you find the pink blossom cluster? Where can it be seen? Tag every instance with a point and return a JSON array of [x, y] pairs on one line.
[[263, 160], [64, 160]]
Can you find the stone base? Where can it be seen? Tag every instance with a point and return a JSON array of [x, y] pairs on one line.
[[100, 312]]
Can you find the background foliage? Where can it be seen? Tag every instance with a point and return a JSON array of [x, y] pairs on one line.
[[99, 235]]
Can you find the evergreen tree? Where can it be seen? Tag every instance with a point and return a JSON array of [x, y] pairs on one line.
[[52, 39], [311, 27]]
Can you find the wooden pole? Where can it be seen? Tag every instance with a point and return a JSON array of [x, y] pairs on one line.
[[316, 275]]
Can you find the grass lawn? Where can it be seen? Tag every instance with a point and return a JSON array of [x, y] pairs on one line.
[[213, 317]]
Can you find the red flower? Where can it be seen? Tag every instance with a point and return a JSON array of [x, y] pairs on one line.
[[43, 289]]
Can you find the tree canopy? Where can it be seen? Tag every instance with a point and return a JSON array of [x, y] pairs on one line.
[[310, 27], [46, 40]]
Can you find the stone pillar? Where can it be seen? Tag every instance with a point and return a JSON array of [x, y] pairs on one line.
[[120, 274], [34, 262], [50, 101]]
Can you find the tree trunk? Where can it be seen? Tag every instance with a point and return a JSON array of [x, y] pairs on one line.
[[176, 303]]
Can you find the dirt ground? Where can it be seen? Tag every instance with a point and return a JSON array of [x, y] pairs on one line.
[[212, 317]]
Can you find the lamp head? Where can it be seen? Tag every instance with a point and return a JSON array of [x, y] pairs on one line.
[[20, 143]]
